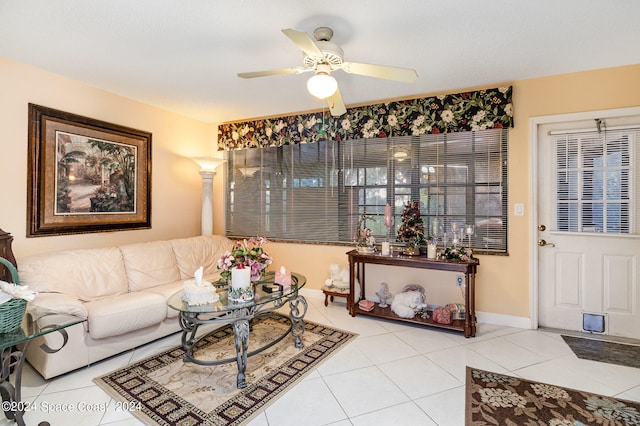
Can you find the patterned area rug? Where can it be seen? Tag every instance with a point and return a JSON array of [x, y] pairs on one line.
[[167, 391], [603, 351], [497, 399]]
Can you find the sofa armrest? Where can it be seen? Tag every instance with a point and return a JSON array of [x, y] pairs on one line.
[[60, 303]]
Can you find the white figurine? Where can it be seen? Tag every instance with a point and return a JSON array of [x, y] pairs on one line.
[[339, 277], [406, 303]]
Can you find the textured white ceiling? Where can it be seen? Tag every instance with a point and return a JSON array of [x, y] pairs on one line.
[[183, 55]]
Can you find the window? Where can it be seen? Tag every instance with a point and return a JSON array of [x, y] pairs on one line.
[[594, 182], [284, 193], [317, 192]]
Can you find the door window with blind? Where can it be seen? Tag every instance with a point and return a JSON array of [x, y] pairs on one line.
[[595, 181], [317, 192]]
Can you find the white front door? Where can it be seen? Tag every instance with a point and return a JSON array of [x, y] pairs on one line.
[[588, 236]]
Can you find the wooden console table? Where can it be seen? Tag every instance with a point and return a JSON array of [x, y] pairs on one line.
[[358, 260]]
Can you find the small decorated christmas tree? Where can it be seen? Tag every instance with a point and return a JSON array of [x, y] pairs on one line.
[[411, 230]]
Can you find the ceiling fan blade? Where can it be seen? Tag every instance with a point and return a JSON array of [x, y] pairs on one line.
[[280, 71], [406, 75], [304, 42], [336, 104]]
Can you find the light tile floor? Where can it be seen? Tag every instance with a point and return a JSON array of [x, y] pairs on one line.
[[392, 373]]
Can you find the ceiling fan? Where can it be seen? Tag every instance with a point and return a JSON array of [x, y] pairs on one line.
[[324, 56]]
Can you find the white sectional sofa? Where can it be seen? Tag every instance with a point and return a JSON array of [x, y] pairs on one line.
[[121, 291]]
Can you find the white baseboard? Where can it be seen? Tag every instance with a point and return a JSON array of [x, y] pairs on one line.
[[504, 320], [312, 293], [483, 317]]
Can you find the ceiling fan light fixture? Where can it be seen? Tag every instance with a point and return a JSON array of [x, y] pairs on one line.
[[322, 85], [400, 155]]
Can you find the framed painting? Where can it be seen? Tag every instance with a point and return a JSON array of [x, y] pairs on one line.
[[86, 175]]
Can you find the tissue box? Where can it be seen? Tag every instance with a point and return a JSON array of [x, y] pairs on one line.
[[283, 279]]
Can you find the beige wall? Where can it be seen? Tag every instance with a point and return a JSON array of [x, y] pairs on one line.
[[502, 282], [175, 180]]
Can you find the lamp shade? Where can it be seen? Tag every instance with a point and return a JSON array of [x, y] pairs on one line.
[[208, 163], [322, 85]]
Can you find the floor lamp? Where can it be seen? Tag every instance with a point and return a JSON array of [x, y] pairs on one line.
[[208, 167]]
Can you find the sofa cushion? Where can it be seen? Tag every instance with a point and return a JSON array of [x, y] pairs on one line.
[[149, 264], [191, 253], [166, 291], [60, 303], [88, 274], [118, 315]]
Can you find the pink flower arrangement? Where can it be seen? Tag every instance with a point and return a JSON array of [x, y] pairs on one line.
[[245, 254]]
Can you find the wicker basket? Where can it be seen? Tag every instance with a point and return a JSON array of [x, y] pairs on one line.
[[11, 314]]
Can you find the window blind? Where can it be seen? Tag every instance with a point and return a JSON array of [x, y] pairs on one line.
[[285, 193], [317, 192], [596, 181]]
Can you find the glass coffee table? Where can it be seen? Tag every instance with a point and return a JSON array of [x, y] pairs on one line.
[[37, 322], [239, 314]]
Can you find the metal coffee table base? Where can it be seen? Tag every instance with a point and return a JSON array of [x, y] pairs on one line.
[[241, 322], [13, 358]]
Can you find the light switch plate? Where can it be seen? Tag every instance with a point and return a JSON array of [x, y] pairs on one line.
[[518, 209]]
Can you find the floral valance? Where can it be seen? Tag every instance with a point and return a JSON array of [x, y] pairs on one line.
[[481, 109]]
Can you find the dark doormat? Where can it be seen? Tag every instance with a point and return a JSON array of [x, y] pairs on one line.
[[603, 351]]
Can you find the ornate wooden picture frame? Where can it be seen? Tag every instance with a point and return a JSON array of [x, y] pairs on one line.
[[86, 175]]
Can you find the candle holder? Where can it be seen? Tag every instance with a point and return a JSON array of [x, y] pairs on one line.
[[437, 232], [456, 235], [470, 230], [435, 227], [388, 230], [456, 238]]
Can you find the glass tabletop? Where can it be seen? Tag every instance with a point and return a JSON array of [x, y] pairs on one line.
[[224, 304], [37, 322]]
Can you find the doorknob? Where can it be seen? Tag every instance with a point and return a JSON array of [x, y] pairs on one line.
[[543, 243], [541, 227]]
